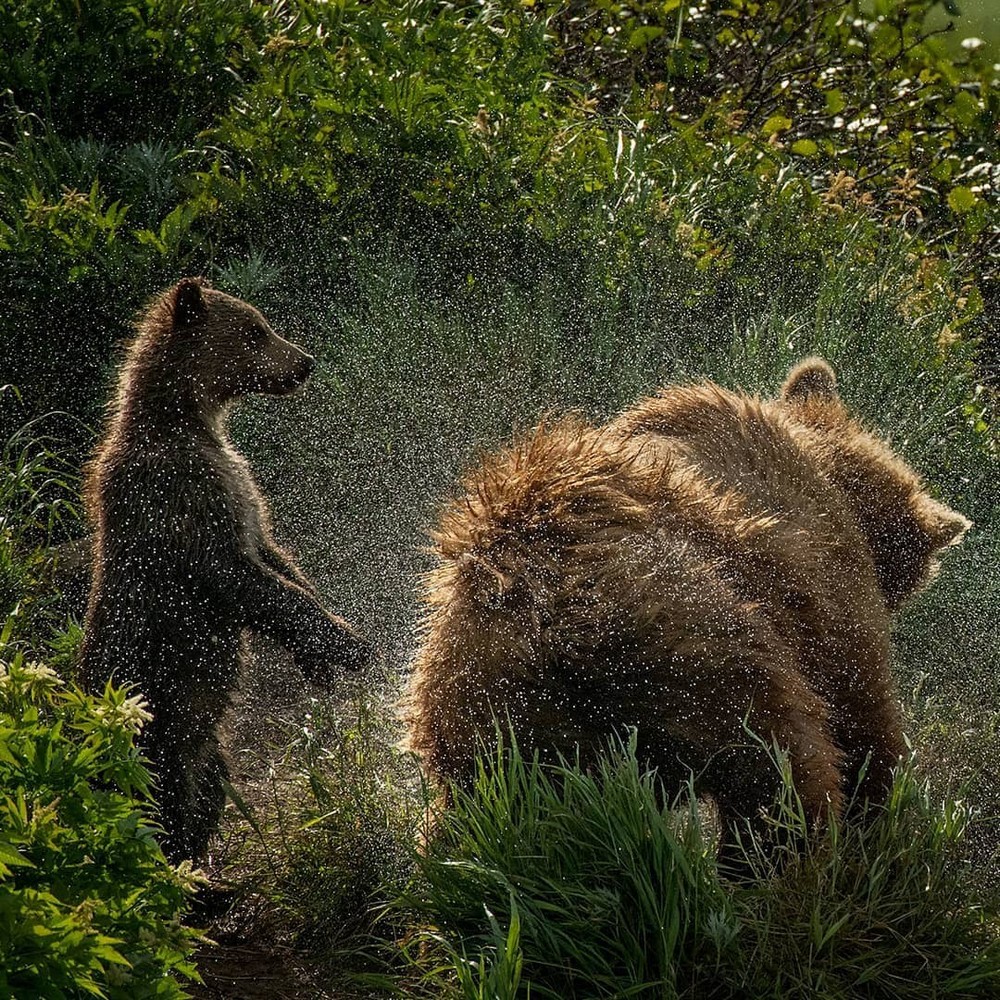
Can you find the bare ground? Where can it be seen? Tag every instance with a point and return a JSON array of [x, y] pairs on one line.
[[250, 955]]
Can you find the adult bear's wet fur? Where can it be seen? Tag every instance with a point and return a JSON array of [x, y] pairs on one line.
[[706, 562]]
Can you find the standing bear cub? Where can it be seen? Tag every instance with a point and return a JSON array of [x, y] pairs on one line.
[[184, 560], [706, 564]]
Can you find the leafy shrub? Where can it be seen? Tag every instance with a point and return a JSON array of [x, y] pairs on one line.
[[150, 70], [382, 109], [864, 97], [87, 902], [98, 104]]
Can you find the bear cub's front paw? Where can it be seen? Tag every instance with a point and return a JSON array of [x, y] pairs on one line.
[[345, 650], [353, 652]]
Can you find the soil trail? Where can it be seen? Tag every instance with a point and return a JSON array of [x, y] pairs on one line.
[[234, 971]]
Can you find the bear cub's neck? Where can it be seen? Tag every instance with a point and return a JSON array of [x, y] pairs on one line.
[[164, 395]]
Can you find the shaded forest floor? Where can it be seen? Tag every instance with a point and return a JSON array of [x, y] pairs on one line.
[[251, 953]]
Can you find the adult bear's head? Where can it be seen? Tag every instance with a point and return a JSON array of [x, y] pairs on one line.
[[904, 525]]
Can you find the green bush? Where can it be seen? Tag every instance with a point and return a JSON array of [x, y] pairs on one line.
[[88, 905], [155, 69], [865, 98], [386, 110]]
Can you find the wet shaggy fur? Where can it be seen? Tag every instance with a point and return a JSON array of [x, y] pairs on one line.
[[184, 560], [707, 563]]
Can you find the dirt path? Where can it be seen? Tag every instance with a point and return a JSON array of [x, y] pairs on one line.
[[234, 971]]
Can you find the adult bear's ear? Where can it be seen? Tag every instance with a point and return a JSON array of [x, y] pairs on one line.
[[810, 378], [943, 525], [189, 301]]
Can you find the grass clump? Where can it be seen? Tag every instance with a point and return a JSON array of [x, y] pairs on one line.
[[321, 836], [883, 907], [551, 882], [606, 886], [38, 505]]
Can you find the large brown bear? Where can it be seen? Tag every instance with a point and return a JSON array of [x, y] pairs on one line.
[[184, 560], [707, 563]]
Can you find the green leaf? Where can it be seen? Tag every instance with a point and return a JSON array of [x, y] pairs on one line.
[[966, 108], [245, 811], [805, 147], [775, 124], [961, 200], [108, 954], [835, 102], [9, 855], [641, 37]]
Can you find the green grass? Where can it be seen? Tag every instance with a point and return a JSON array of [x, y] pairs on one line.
[[39, 506], [587, 886], [410, 389], [611, 892]]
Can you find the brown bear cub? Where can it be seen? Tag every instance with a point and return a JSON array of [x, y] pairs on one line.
[[184, 560], [706, 564]]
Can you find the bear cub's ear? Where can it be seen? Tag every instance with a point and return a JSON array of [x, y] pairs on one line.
[[189, 301], [812, 377]]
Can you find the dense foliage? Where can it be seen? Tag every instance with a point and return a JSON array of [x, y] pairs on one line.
[[88, 905], [215, 137]]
